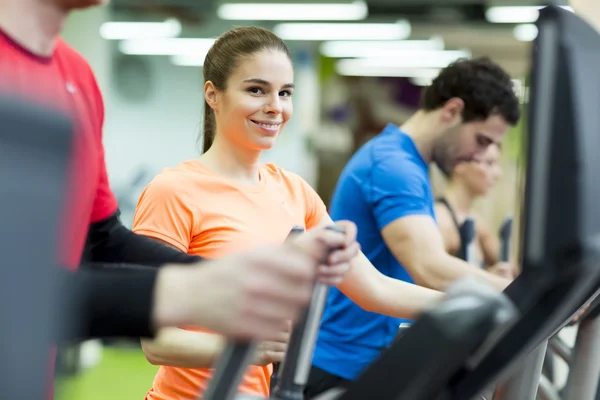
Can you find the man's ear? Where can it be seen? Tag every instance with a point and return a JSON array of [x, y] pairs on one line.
[[452, 111], [211, 95]]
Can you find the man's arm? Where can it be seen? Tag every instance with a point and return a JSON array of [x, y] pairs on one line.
[[418, 245], [106, 302], [108, 241]]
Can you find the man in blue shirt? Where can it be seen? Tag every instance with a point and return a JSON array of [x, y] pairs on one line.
[[385, 189]]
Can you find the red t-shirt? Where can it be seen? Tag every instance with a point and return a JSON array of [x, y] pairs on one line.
[[66, 81]]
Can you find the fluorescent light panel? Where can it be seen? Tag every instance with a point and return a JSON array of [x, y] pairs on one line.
[[351, 11], [185, 60], [515, 14], [421, 81], [409, 59], [370, 49], [167, 47], [525, 32], [140, 30], [421, 74], [343, 31]]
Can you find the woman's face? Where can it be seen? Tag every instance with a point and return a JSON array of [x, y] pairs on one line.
[[257, 102], [481, 176]]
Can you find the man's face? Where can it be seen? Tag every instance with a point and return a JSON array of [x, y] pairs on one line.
[[467, 142], [79, 4]]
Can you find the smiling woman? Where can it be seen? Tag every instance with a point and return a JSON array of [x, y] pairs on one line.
[[249, 79], [227, 200]]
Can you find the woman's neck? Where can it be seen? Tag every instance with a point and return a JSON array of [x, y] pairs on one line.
[[35, 25], [459, 198], [239, 164]]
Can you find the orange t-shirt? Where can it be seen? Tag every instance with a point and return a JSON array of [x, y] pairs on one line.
[[202, 213]]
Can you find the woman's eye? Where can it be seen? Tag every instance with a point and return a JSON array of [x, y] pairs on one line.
[[255, 90], [285, 93]]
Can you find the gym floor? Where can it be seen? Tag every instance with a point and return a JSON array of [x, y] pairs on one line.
[[122, 374]]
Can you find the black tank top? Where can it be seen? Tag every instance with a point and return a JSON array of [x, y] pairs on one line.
[[466, 232]]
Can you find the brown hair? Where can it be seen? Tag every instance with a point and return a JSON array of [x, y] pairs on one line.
[[222, 58]]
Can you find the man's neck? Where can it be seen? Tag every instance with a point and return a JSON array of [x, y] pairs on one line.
[[33, 24], [424, 129]]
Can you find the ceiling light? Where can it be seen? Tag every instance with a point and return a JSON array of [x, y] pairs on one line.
[[188, 60], [369, 49], [140, 30], [343, 31], [166, 47], [421, 81], [348, 11], [515, 14], [525, 32], [410, 59], [415, 73]]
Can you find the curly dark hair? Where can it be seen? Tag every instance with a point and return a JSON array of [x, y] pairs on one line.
[[483, 85]]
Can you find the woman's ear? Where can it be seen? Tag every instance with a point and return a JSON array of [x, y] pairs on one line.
[[211, 95]]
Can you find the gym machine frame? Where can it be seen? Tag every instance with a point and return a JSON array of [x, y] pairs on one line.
[[35, 150]]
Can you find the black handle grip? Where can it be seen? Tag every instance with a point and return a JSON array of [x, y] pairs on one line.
[[296, 230], [505, 234], [290, 382], [468, 235]]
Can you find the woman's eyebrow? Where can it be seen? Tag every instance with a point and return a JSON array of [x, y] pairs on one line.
[[266, 83]]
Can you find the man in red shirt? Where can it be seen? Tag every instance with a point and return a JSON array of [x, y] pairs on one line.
[[36, 64]]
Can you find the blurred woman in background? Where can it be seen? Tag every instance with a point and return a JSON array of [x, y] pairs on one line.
[[468, 182]]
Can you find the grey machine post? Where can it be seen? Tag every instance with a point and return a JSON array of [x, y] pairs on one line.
[[584, 371], [233, 363], [296, 365], [35, 149], [468, 242]]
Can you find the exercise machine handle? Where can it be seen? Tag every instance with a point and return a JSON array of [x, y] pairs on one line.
[[505, 234], [296, 365]]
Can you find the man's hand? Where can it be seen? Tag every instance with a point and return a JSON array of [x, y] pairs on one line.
[[504, 270], [332, 250], [246, 296], [273, 351]]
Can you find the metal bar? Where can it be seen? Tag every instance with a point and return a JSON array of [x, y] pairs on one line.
[[297, 363], [505, 234], [523, 384], [560, 348], [582, 383], [546, 390]]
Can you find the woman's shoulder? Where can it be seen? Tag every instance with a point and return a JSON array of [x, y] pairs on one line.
[[284, 176], [182, 177]]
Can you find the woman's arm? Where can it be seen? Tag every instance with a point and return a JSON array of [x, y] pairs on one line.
[[180, 348], [375, 292], [490, 243]]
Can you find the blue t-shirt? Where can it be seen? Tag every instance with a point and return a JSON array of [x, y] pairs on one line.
[[385, 180]]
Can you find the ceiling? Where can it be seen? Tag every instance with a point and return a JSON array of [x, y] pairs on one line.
[[461, 23]]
